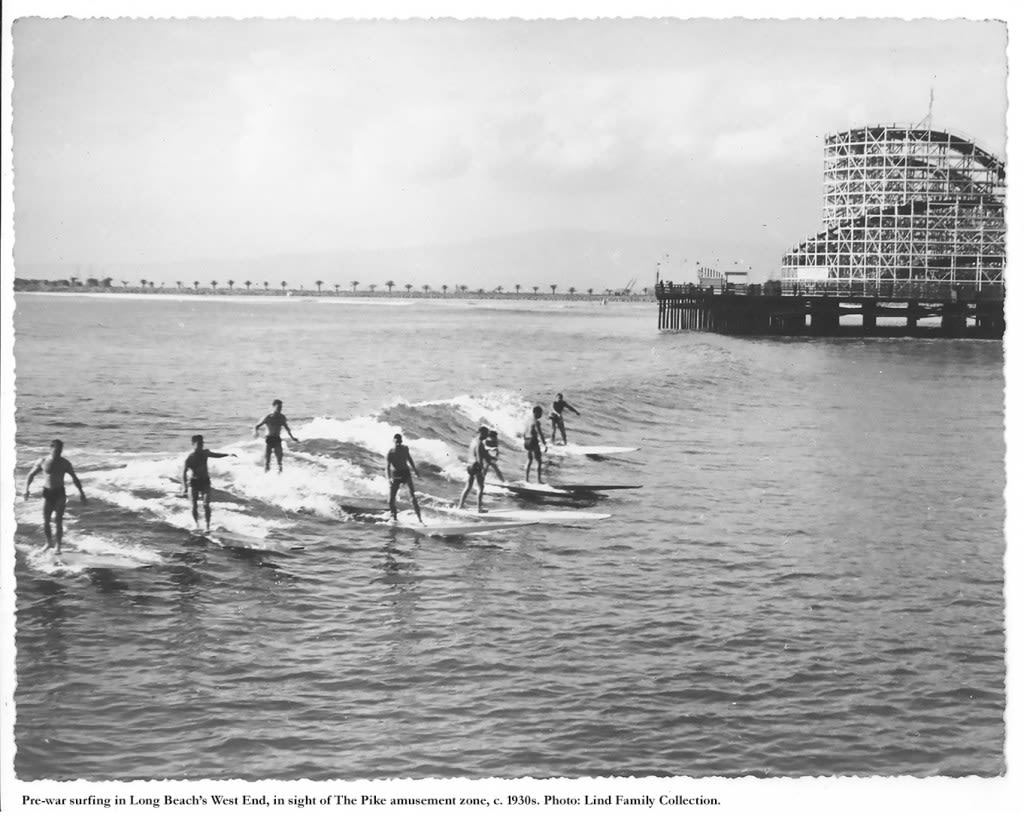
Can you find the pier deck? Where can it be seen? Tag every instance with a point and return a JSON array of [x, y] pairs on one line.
[[753, 312]]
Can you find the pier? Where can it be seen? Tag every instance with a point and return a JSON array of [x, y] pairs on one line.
[[771, 309]]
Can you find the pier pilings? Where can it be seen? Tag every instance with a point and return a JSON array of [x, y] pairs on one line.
[[822, 315]]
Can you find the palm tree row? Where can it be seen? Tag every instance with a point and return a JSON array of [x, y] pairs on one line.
[[457, 289]]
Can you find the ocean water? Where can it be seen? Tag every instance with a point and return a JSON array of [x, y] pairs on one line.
[[809, 582]]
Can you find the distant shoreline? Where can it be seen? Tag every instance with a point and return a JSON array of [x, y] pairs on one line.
[[48, 288]]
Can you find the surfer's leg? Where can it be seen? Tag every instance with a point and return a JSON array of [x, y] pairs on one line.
[[391, 499], [206, 509], [412, 496], [58, 512], [195, 505], [47, 516], [279, 452], [465, 490], [266, 458]]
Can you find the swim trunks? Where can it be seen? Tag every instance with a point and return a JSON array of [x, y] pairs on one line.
[[273, 441], [474, 469], [55, 495], [200, 485]]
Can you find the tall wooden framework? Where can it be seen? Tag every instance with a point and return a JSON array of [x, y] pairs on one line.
[[905, 206]]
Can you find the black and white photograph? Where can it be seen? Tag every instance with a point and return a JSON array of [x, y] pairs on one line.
[[541, 412]]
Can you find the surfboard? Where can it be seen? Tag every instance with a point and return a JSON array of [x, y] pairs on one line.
[[362, 506], [95, 561], [226, 538], [543, 516], [586, 450], [73, 557], [528, 488], [565, 490], [231, 539], [597, 488]]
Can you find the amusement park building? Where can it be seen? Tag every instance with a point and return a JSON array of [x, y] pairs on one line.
[[906, 208]]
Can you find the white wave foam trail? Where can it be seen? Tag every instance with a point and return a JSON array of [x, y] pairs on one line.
[[346, 479], [160, 478], [377, 436], [140, 474], [89, 551], [504, 412], [31, 512], [100, 546], [306, 485], [364, 431]]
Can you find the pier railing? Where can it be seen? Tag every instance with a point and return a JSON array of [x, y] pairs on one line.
[[900, 290]]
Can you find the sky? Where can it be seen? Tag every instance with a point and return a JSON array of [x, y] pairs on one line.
[[138, 143], [141, 142]]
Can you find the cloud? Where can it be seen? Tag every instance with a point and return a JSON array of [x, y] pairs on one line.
[[593, 132], [132, 138]]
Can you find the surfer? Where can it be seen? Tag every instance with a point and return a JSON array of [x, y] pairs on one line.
[[398, 465], [195, 463], [533, 437], [491, 446], [55, 497], [479, 460], [274, 421], [557, 421]]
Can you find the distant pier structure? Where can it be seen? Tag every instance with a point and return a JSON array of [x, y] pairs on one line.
[[914, 244]]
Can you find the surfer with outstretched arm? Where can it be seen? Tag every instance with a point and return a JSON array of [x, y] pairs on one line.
[[533, 438], [557, 421], [54, 467], [195, 463], [274, 421], [398, 472], [479, 460]]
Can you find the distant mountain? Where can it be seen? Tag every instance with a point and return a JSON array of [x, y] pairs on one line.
[[572, 258]]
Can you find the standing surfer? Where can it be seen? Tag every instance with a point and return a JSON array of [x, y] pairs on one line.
[[491, 446], [201, 486], [480, 460], [533, 437], [55, 497], [557, 406], [274, 421], [397, 469]]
